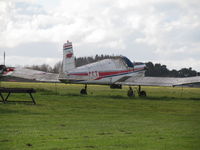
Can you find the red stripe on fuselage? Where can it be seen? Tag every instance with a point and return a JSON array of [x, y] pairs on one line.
[[102, 74]]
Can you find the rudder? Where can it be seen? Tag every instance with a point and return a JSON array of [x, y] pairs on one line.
[[68, 57]]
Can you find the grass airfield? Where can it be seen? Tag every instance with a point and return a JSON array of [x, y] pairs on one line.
[[105, 119]]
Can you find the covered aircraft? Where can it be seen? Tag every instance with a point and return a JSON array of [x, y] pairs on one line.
[[114, 72]]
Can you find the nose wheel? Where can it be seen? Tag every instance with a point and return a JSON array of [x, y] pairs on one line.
[[84, 90]]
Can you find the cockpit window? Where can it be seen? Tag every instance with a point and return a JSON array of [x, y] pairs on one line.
[[127, 61]]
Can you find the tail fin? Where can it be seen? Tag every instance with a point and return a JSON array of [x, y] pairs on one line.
[[68, 57]]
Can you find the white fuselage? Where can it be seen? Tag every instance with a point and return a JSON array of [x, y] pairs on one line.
[[107, 71]]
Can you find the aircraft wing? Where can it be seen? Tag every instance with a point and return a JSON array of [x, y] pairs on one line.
[[32, 75], [160, 81]]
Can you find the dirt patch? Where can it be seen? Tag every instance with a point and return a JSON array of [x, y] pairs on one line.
[[29, 145], [5, 140], [104, 133], [63, 138], [121, 130], [127, 132], [90, 146], [62, 125]]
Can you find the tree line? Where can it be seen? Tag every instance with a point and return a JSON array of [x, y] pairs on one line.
[[154, 70], [158, 70]]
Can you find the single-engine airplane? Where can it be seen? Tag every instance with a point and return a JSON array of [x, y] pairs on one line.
[[114, 72]]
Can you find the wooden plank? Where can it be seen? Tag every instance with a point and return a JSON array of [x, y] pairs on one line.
[[17, 90]]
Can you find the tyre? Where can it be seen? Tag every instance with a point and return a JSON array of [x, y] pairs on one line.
[[130, 93], [83, 92], [142, 94]]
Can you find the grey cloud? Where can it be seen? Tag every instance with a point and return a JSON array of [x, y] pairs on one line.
[[25, 8], [155, 30], [37, 49]]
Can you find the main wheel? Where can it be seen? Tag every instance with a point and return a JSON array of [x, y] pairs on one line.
[[130, 93], [83, 91], [143, 94]]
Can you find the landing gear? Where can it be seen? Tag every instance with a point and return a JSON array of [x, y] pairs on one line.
[[141, 93], [130, 92], [84, 90]]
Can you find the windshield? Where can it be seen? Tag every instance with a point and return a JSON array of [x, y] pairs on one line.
[[128, 62]]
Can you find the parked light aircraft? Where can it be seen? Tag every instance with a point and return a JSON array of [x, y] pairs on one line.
[[114, 72]]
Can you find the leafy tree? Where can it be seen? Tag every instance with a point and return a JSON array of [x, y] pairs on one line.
[[159, 70]]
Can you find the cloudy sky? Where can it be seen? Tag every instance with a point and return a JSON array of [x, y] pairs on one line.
[[161, 31]]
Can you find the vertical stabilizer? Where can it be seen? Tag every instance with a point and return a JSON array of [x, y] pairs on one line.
[[68, 57]]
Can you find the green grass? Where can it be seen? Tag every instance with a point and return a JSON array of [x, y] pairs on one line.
[[168, 119]]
